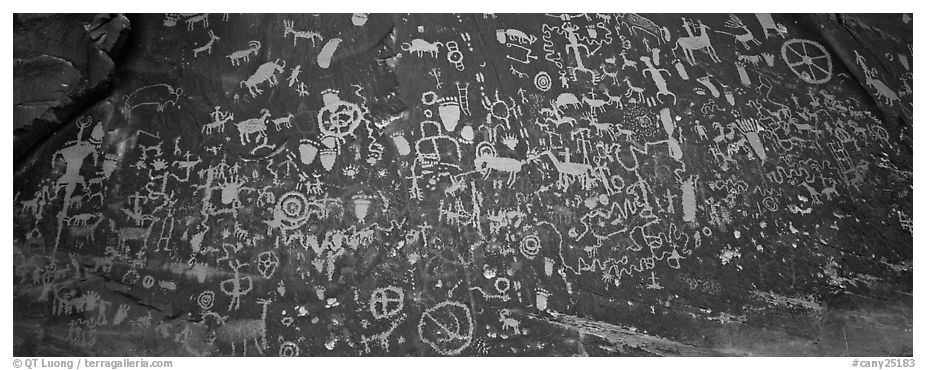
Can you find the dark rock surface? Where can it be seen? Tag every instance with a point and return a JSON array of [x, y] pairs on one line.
[[442, 184], [62, 64]]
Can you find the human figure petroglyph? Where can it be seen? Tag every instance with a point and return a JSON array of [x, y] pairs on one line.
[[219, 121], [573, 45], [237, 286], [658, 80], [598, 104], [73, 153]]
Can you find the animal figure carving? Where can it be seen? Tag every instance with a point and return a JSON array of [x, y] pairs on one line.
[[735, 23], [265, 73], [564, 100], [283, 121], [599, 104], [627, 63], [691, 43], [242, 331], [503, 35], [218, 125], [81, 219], [419, 47], [245, 55], [508, 322], [252, 126], [208, 46], [814, 195], [128, 233], [635, 22], [631, 90], [159, 95], [611, 129], [881, 90], [487, 159], [201, 18], [85, 230], [570, 171], [311, 36]]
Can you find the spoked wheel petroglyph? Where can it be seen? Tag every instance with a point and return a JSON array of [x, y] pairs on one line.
[[447, 327], [808, 60]]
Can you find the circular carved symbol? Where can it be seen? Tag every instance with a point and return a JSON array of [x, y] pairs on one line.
[[530, 246], [147, 281], [542, 81], [294, 209], [289, 349], [502, 285], [387, 302], [770, 203], [339, 119], [206, 299], [447, 327], [808, 60]]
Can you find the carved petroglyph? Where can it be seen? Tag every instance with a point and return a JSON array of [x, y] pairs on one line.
[[207, 47], [266, 72], [690, 44], [245, 55], [809, 60], [744, 38], [447, 327], [242, 331], [310, 35], [419, 47], [324, 56], [158, 95]]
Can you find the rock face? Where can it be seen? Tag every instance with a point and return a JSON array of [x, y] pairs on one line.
[[62, 63], [418, 185]]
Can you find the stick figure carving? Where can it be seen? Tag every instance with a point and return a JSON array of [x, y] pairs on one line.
[[237, 286]]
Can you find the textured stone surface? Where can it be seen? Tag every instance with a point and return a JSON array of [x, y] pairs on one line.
[[62, 62], [440, 184]]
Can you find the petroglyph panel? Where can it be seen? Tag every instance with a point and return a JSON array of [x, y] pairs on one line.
[[477, 185]]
